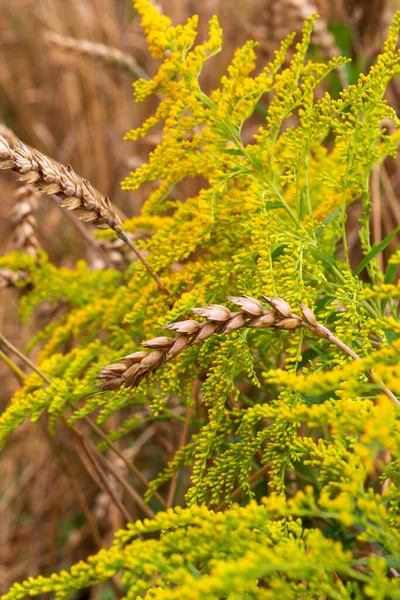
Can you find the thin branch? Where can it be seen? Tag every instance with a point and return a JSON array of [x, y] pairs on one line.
[[130, 466], [94, 469], [92, 525], [123, 236], [182, 442], [91, 242], [25, 359], [332, 338], [91, 522], [128, 488]]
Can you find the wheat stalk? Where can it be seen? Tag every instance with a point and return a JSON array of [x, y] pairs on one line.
[[24, 221], [118, 254], [134, 367], [219, 319], [36, 169], [77, 194], [96, 51], [10, 278]]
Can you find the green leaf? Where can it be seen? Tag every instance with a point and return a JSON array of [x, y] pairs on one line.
[[233, 151], [327, 220], [278, 251], [391, 271], [324, 256], [389, 278], [376, 250], [272, 205]]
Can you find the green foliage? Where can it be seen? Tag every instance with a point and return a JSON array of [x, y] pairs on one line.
[[276, 405]]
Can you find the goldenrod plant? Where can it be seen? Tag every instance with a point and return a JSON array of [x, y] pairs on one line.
[[244, 321]]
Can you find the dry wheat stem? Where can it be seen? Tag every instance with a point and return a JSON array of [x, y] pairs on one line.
[[118, 253], [83, 449], [80, 497], [96, 51], [20, 375], [103, 259], [90, 462], [131, 369], [77, 194]]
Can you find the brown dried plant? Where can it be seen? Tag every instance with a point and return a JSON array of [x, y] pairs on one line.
[[10, 278], [24, 231]]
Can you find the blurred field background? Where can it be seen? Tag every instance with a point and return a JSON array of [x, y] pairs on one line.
[[76, 109]]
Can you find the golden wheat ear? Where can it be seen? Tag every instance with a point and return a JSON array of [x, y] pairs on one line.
[[77, 194]]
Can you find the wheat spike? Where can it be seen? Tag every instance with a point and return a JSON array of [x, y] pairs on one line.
[[47, 177], [131, 369], [24, 221], [96, 51], [77, 194], [10, 278]]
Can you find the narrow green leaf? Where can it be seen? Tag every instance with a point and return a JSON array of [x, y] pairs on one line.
[[324, 256], [233, 151], [272, 205], [376, 250], [391, 271], [327, 220], [278, 251]]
